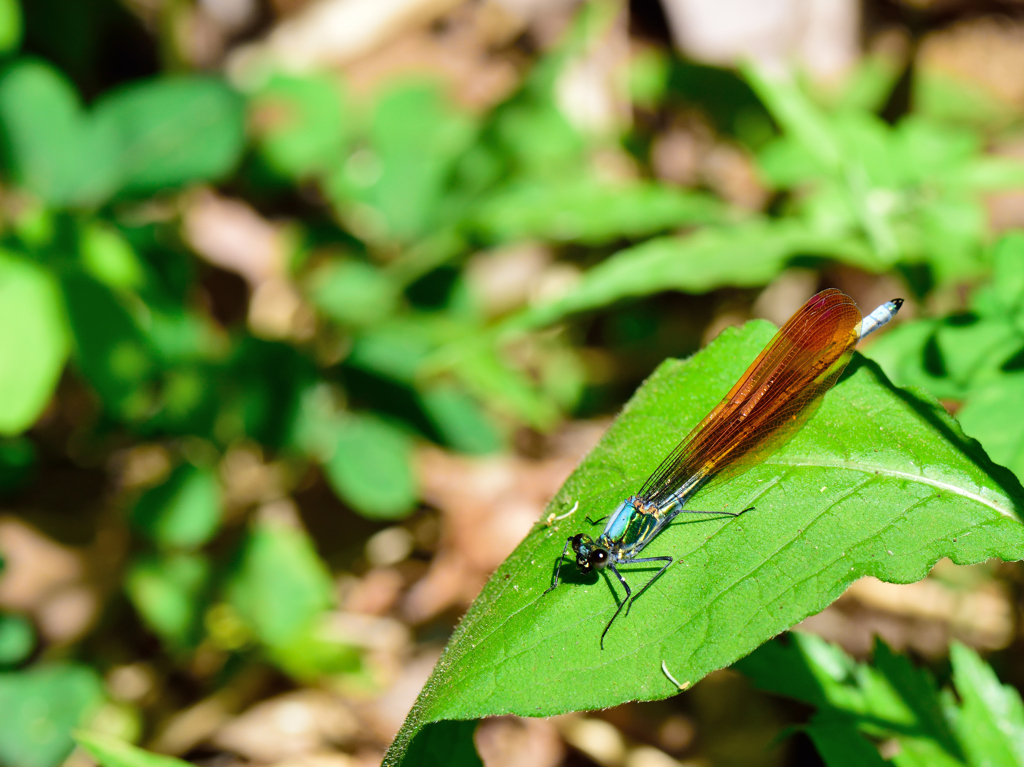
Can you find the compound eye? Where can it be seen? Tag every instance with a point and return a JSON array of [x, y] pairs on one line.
[[575, 542], [598, 558]]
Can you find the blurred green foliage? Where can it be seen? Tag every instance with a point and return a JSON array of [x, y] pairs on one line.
[[891, 699], [393, 200]]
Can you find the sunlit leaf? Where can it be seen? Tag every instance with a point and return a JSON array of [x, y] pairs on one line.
[[17, 638], [111, 752], [52, 146], [10, 25], [32, 357], [109, 257], [743, 255], [40, 706], [183, 512], [880, 482], [300, 123], [460, 420], [109, 348], [352, 292], [371, 468], [169, 593], [586, 210], [278, 584], [173, 131], [991, 721]]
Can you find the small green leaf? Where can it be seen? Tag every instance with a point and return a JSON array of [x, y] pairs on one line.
[[880, 482], [53, 148], [1007, 289], [17, 638], [797, 115], [649, 72], [111, 752], [174, 131], [942, 97], [299, 121], [415, 138], [31, 359], [991, 721], [10, 25], [589, 211], [110, 350], [890, 699], [993, 414], [183, 512], [394, 349], [278, 584], [169, 594], [372, 468], [352, 292], [840, 745], [460, 420], [108, 256], [870, 84], [485, 374], [39, 707], [745, 255]]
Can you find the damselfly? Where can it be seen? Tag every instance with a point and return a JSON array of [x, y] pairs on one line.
[[775, 396]]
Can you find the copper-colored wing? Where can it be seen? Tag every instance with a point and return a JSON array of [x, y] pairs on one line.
[[770, 402]]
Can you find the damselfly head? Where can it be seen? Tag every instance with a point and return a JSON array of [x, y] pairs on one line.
[[589, 555]]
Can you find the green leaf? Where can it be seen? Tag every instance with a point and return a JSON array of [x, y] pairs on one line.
[[745, 255], [987, 174], [17, 638], [870, 84], [169, 594], [52, 147], [890, 699], [991, 721], [948, 357], [183, 512], [300, 123], [445, 744], [840, 745], [108, 256], [371, 468], [1005, 294], [10, 25], [797, 116], [485, 374], [952, 232], [31, 359], [39, 707], [460, 420], [946, 98], [278, 584], [649, 71], [880, 482], [352, 292], [111, 752], [992, 414], [415, 138], [174, 131], [590, 211], [110, 350]]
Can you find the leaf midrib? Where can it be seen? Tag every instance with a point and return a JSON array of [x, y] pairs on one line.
[[896, 474]]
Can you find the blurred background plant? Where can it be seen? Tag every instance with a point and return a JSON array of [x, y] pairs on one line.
[[311, 306]]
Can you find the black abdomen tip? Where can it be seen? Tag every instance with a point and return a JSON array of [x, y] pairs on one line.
[[898, 302]]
